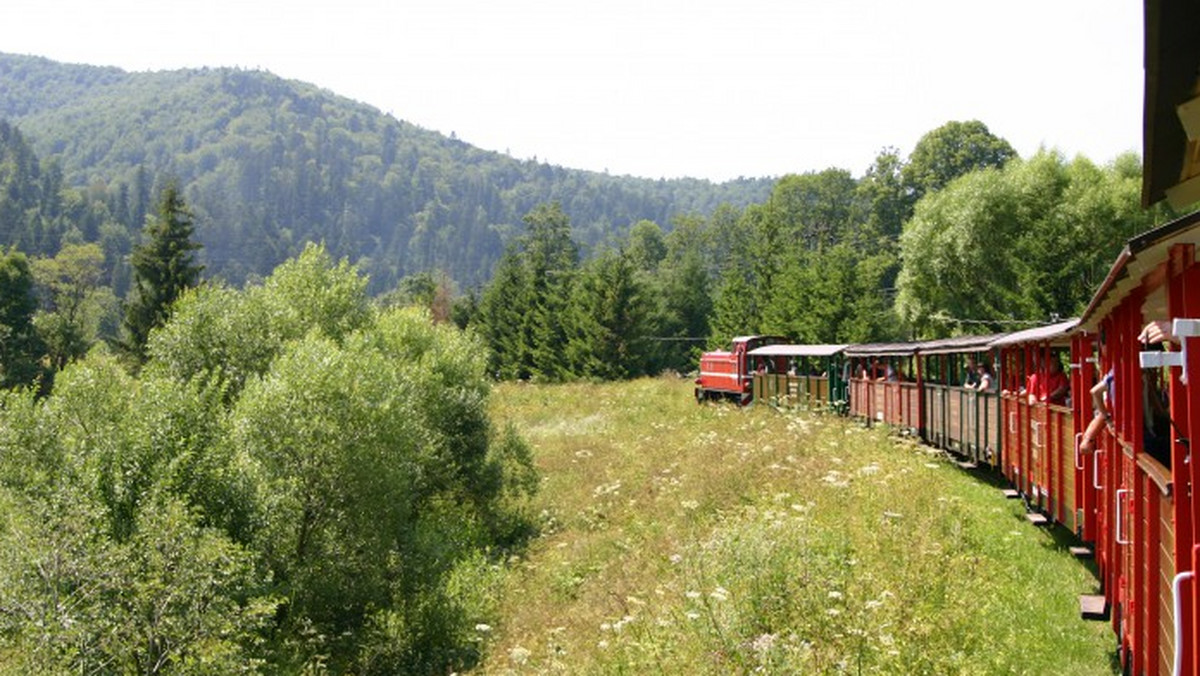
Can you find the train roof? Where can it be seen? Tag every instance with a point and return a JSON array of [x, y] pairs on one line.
[[882, 350], [958, 344], [764, 336], [1038, 334], [1140, 257], [797, 350], [1172, 50]]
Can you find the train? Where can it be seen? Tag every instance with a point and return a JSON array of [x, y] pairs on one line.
[[1087, 423]]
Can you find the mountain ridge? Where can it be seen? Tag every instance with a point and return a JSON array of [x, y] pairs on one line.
[[269, 163]]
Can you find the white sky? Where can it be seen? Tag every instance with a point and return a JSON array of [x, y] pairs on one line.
[[658, 88]]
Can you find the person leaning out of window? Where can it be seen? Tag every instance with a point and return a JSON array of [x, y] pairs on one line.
[[1102, 392]]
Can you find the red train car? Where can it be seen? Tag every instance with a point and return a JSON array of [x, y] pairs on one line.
[[1038, 418], [1146, 512], [885, 384], [730, 373]]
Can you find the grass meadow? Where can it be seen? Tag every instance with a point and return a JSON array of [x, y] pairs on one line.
[[686, 539]]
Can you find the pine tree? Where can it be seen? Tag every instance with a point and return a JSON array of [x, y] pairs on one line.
[[163, 267]]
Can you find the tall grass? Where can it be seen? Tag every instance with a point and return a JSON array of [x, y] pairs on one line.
[[684, 539]]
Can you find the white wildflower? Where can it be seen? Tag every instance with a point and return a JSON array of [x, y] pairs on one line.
[[763, 642], [519, 655]]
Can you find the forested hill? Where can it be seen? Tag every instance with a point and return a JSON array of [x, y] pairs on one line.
[[268, 164]]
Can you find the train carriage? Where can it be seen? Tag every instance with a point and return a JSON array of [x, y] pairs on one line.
[[885, 382], [1146, 512], [956, 415], [1037, 418], [806, 376]]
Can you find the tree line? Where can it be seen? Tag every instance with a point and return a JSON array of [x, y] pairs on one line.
[[962, 236], [959, 236]]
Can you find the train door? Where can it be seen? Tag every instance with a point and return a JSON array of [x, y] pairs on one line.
[[1183, 301], [1011, 374], [1018, 424], [1083, 378], [1123, 498]]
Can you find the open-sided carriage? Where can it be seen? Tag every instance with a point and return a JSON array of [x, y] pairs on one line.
[[885, 384], [956, 414], [804, 376]]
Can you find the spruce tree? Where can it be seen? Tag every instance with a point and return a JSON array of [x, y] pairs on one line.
[[551, 259], [504, 319], [163, 268], [609, 320]]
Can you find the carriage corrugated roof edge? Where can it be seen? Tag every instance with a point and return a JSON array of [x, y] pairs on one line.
[[797, 350], [882, 350], [1037, 334]]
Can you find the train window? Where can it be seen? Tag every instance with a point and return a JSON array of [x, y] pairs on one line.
[[1156, 415]]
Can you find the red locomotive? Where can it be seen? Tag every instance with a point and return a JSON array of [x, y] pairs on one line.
[[730, 373]]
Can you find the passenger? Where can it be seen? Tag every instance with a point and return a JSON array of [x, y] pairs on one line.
[[1102, 405], [877, 370], [1156, 404], [1156, 332], [971, 377], [1102, 393], [983, 377], [1031, 382], [1055, 388], [890, 374]]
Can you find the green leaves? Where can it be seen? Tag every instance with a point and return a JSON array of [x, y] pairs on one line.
[[1029, 241], [289, 470]]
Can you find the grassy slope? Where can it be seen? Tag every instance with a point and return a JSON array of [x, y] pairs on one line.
[[707, 539]]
